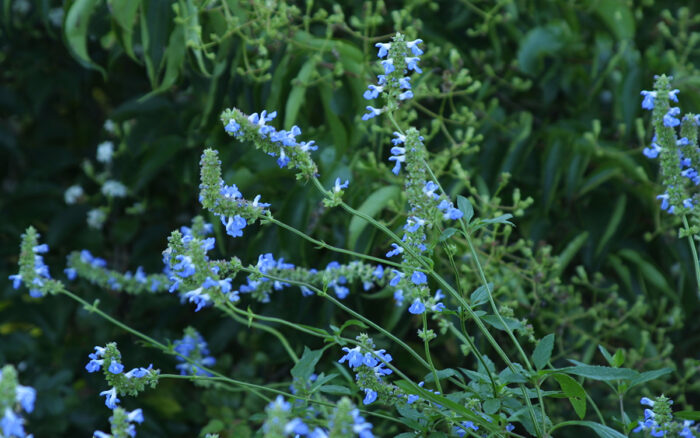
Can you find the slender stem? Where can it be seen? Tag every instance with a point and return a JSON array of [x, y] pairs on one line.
[[331, 247], [426, 343], [272, 331], [694, 251]]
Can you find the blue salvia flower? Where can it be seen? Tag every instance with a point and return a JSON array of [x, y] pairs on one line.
[[417, 307], [111, 399], [12, 425], [413, 46], [670, 119], [193, 346], [372, 112], [648, 101], [398, 297], [383, 49]]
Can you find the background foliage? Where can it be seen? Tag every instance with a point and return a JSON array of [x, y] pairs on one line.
[[545, 91]]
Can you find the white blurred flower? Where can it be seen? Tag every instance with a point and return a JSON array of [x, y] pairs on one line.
[[105, 150], [72, 194], [113, 189], [96, 218], [109, 126]]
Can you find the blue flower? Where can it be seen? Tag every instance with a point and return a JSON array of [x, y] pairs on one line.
[[12, 424], [397, 250], [360, 426], [16, 280], [648, 102], [111, 399], [233, 127], [413, 223], [417, 307], [412, 398], [116, 368], [419, 278], [647, 402], [673, 95], [280, 404], [198, 297], [688, 203], [405, 83], [398, 156], [373, 92], [234, 225], [296, 427], [450, 211], [396, 279], [413, 46], [406, 95], [388, 65], [353, 356], [26, 396], [670, 119], [665, 205], [373, 112], [378, 272], [398, 297], [338, 186], [412, 64], [652, 151], [135, 416], [370, 396], [383, 49]]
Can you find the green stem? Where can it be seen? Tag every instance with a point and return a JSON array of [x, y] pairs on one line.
[[426, 343], [272, 331], [323, 244], [694, 251]]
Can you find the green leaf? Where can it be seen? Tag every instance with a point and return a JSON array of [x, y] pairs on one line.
[[372, 205], [570, 251], [502, 219], [480, 295], [491, 406], [648, 376], [446, 234], [574, 392], [605, 354], [599, 429], [618, 358], [124, 13], [688, 415], [493, 321], [298, 94], [335, 389], [465, 207], [596, 372], [649, 272], [174, 58], [303, 369], [75, 31], [543, 351], [615, 219], [617, 16], [442, 374], [539, 42]]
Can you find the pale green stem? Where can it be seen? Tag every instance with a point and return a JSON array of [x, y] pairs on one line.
[[694, 252]]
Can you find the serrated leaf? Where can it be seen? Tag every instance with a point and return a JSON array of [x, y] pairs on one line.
[[596, 372], [446, 234], [303, 369], [648, 376], [493, 321], [574, 392], [479, 296], [335, 389], [465, 207], [543, 351], [442, 374]]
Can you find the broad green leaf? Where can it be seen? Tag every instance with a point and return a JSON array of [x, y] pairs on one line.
[[493, 321], [648, 376], [539, 42], [615, 219], [599, 429], [618, 358], [574, 392], [335, 389], [465, 207], [124, 12], [446, 234], [174, 58], [372, 205], [303, 369], [298, 94], [617, 16], [596, 372], [442, 374], [480, 295], [543, 351], [688, 415], [491, 406], [75, 30]]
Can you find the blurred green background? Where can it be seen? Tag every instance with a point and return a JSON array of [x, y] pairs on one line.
[[552, 96]]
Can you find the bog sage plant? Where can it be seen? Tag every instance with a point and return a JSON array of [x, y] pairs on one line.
[[510, 388]]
